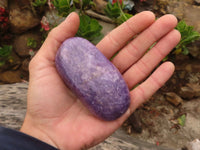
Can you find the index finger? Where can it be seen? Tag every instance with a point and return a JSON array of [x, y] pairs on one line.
[[119, 37]]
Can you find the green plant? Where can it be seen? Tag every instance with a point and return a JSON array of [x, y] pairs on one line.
[[84, 4], [39, 3], [115, 12], [5, 52], [32, 43], [188, 35], [89, 28], [112, 10], [123, 17], [181, 120], [64, 7]]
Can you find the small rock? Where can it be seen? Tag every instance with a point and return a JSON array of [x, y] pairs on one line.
[[191, 16], [186, 92], [194, 78], [12, 63], [173, 98], [21, 20], [20, 43], [185, 11], [197, 1], [15, 61], [190, 91], [194, 49], [25, 65], [135, 122], [10, 77], [146, 5], [196, 89], [53, 18], [100, 5], [194, 145]]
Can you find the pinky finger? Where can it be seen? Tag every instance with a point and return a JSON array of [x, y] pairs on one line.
[[146, 89]]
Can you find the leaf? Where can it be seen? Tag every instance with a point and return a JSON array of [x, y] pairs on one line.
[[185, 51], [181, 120], [123, 17], [165, 59], [5, 51], [38, 3], [86, 3], [188, 35], [32, 43], [112, 10], [89, 28], [63, 6]]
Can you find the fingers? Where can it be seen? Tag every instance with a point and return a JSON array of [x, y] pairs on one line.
[[145, 90], [140, 70], [136, 49], [66, 29], [119, 37]]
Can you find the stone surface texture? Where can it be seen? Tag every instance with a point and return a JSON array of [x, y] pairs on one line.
[[93, 78], [13, 104], [53, 18], [20, 43], [21, 19], [173, 98], [10, 76], [120, 141], [185, 11], [194, 145]]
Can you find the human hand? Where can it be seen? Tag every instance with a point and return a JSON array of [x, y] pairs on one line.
[[55, 115]]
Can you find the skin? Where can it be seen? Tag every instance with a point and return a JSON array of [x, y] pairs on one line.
[[54, 114]]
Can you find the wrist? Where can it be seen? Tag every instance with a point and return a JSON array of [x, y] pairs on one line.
[[12, 139], [33, 130]]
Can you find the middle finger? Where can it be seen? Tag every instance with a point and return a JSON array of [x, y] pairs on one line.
[[136, 48]]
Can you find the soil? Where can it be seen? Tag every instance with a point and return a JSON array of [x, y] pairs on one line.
[[157, 121]]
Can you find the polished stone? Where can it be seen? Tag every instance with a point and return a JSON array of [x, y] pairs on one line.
[[93, 78]]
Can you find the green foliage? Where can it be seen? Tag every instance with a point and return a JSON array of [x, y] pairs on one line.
[[181, 120], [112, 10], [123, 17], [188, 35], [115, 12], [39, 3], [32, 43], [89, 28], [63, 6], [84, 3], [5, 53]]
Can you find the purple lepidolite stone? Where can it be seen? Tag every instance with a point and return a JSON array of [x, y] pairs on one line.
[[93, 78]]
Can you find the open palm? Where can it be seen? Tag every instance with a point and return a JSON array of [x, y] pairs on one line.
[[57, 117]]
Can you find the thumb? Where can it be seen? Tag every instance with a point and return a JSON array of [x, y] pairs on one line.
[[66, 29]]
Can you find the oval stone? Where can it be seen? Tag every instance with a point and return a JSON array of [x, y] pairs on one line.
[[93, 78]]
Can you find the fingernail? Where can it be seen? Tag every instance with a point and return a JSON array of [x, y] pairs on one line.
[[69, 16]]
